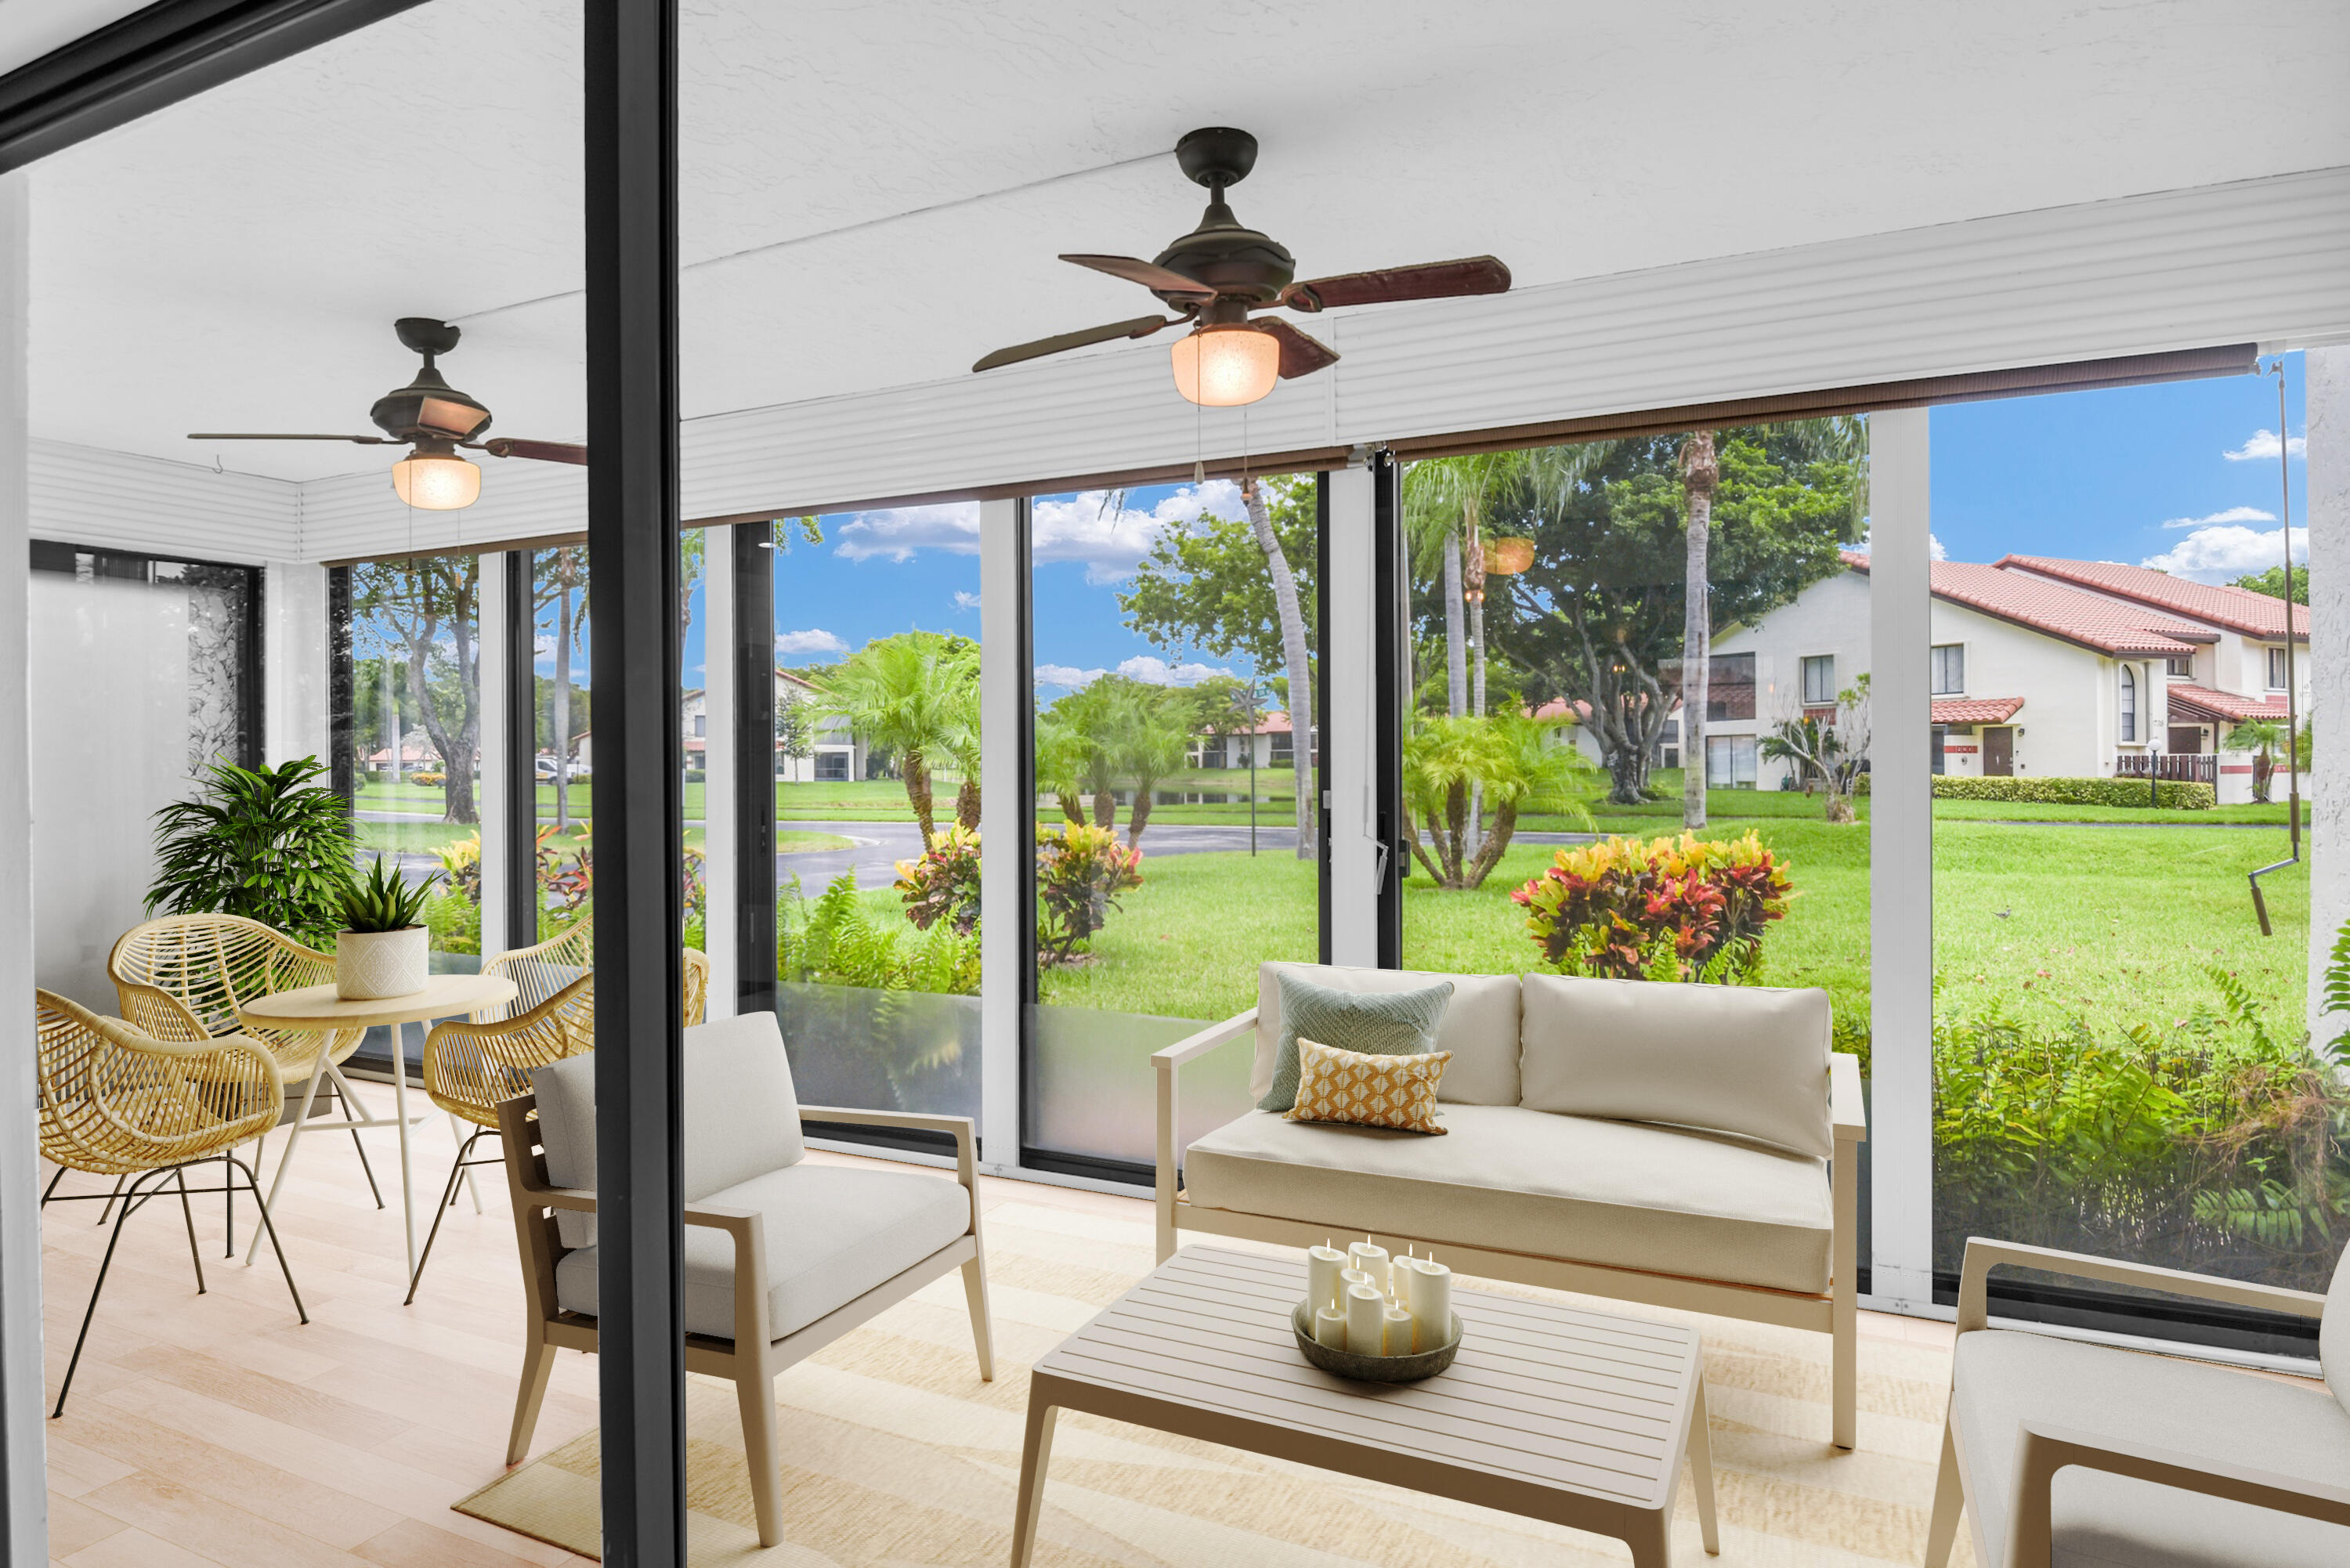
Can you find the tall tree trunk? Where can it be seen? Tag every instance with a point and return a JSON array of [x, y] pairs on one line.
[[1472, 516], [1070, 810], [566, 578], [1299, 669], [918, 793], [1456, 635], [967, 804], [1138, 816], [1700, 472]]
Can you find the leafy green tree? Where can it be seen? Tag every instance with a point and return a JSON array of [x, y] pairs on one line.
[[1598, 617], [2272, 583], [561, 581], [1832, 749], [428, 608], [914, 694]]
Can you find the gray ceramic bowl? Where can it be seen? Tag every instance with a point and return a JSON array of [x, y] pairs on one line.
[[1373, 1368]]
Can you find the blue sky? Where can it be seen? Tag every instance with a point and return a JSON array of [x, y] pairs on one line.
[[2182, 475]]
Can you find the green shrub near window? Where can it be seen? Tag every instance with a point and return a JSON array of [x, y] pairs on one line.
[[2076, 792]]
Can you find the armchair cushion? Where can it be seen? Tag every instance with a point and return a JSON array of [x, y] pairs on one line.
[[832, 1232], [1751, 1060], [1480, 1027], [2334, 1333], [740, 1116], [2003, 1378]]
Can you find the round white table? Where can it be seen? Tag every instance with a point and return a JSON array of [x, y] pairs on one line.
[[318, 1008]]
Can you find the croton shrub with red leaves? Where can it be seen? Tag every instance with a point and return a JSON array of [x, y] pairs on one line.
[[1668, 909]]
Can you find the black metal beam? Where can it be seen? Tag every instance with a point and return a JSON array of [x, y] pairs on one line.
[[1391, 646], [520, 742], [754, 767], [155, 57], [1316, 778], [632, 527]]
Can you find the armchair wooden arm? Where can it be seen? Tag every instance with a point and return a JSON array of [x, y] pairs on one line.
[[966, 1136], [2042, 1450], [1983, 1254], [1165, 1062], [1847, 1106]]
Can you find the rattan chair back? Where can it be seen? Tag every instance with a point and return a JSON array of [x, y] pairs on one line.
[[211, 965], [469, 1067], [115, 1100], [695, 974], [539, 971]]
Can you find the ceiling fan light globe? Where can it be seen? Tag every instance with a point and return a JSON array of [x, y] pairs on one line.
[[1226, 367], [436, 483]]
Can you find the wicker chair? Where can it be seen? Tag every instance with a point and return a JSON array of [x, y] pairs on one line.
[[183, 977], [471, 1067], [695, 974], [116, 1101], [539, 972]]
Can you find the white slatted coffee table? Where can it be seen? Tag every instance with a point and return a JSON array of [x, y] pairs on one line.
[[1579, 1417]]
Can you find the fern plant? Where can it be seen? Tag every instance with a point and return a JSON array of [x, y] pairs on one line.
[[268, 844], [385, 901], [2337, 999]]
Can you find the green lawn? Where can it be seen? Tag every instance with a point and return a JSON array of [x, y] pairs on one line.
[[1187, 943]]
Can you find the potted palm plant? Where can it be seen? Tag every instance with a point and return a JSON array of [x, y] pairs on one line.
[[270, 843], [383, 949]]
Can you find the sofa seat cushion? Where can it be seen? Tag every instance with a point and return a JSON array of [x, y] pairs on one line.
[[832, 1233], [1480, 1027], [2003, 1378], [1617, 1193]]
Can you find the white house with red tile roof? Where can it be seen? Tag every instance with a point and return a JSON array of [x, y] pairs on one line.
[[2039, 668]]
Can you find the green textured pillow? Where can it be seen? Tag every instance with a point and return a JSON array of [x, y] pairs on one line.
[[1374, 1023]]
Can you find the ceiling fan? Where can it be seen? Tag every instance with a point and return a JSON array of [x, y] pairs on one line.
[[1217, 274], [432, 419]]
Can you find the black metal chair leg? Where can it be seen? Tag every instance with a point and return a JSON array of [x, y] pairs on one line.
[[228, 1209], [106, 1213], [52, 1187], [440, 1212], [283, 1267], [188, 1213], [94, 1291], [344, 1104]]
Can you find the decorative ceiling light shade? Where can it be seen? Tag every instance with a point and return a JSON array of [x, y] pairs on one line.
[[436, 481], [1220, 366], [1508, 555]]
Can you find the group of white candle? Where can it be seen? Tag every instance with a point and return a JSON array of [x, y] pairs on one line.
[[1367, 1303]]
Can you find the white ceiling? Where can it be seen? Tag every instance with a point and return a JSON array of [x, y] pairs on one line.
[[874, 192], [31, 28]]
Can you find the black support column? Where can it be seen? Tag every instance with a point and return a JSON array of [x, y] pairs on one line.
[[1392, 648], [632, 541], [521, 742], [754, 766]]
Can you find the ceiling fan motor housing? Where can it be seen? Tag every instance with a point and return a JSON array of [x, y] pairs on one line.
[[428, 408]]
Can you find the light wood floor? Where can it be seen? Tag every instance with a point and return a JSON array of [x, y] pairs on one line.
[[215, 1429]]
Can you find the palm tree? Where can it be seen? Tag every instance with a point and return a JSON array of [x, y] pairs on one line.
[[1448, 760], [913, 694], [1294, 657], [1152, 739], [2264, 737], [1700, 472]]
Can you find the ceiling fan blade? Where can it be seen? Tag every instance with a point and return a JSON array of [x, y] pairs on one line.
[[1140, 327], [544, 451], [1301, 355], [250, 435], [1435, 280], [1149, 274]]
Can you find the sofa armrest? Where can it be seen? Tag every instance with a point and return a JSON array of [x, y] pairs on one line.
[[750, 1266], [1165, 1062], [965, 1133], [1983, 1255], [2042, 1450], [1848, 1108]]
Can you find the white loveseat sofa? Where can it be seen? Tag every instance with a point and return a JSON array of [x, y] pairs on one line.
[[1688, 1145]]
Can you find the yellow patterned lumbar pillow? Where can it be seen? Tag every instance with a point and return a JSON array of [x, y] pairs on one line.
[[1335, 1085]]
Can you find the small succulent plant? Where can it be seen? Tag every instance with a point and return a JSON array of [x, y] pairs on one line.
[[385, 901]]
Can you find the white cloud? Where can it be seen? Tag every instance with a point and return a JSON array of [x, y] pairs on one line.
[[1934, 550], [2215, 554], [2263, 443], [1068, 677], [2232, 514], [1152, 671], [966, 600], [813, 640], [896, 533], [1110, 540]]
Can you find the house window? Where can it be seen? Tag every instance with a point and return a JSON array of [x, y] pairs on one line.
[[2129, 704], [1282, 753], [2276, 669], [1949, 668], [2181, 665], [701, 724], [1729, 761], [1819, 679], [1730, 687], [1941, 762], [832, 767]]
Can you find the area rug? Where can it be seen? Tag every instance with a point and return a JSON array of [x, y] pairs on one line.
[[897, 1454]]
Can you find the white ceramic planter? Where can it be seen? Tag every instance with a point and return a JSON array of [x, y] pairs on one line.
[[372, 965]]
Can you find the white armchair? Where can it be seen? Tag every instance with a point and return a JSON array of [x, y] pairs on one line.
[[782, 1256], [2065, 1453]]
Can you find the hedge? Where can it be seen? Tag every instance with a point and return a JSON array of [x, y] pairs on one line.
[[2076, 792]]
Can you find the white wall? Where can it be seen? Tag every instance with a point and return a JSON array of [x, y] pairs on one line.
[[294, 662], [1831, 617]]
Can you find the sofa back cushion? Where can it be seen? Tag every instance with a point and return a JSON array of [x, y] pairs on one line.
[[1750, 1060], [739, 1114], [1480, 1026], [2334, 1333]]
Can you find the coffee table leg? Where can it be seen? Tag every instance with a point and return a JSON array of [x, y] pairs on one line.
[[1653, 1546], [293, 1141], [1035, 1454], [1700, 1459]]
